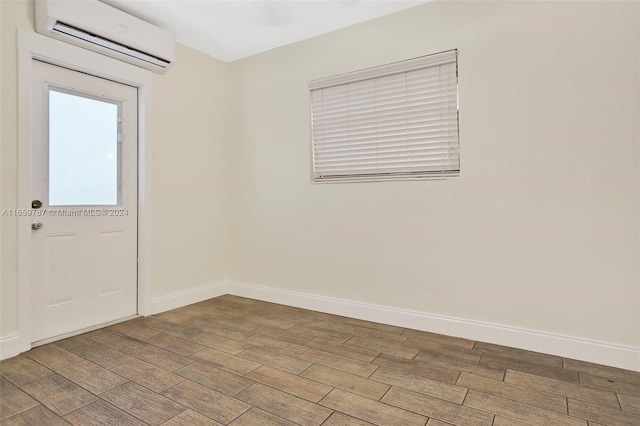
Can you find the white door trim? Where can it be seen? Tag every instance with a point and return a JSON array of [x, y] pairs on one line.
[[35, 46]]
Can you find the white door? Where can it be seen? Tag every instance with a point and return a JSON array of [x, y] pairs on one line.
[[84, 174]]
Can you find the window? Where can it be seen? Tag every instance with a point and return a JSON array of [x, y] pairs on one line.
[[83, 150], [397, 121]]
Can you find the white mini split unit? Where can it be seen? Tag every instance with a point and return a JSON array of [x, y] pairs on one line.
[[107, 30]]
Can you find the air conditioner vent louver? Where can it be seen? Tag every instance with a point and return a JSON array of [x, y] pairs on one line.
[[104, 29], [116, 47]]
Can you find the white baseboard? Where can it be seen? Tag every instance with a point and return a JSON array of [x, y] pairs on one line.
[[189, 297], [11, 346], [564, 346]]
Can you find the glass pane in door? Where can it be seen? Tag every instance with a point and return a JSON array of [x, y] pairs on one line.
[[83, 151]]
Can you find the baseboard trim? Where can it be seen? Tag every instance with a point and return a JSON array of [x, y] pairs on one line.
[[564, 346], [189, 297], [11, 346]]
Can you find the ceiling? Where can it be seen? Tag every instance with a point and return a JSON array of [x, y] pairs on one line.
[[234, 29]]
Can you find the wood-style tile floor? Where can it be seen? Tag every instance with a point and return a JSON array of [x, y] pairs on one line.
[[235, 361]]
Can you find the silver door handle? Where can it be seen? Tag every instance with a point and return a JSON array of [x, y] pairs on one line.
[[36, 225]]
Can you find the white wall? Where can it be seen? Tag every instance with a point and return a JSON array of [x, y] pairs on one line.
[[188, 138], [189, 163], [540, 231]]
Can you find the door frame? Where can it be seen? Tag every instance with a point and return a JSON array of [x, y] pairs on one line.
[[35, 46]]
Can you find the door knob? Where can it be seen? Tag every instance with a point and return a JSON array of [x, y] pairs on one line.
[[36, 225]]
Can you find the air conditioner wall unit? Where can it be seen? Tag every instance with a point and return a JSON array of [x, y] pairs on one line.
[[99, 27]]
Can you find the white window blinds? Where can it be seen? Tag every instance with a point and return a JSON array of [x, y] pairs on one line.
[[396, 121]]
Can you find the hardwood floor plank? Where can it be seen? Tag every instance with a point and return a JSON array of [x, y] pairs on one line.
[[519, 412], [598, 413], [504, 421], [370, 324], [283, 321], [220, 343], [191, 418], [419, 384], [256, 416], [239, 324], [284, 335], [214, 378], [59, 394], [428, 406], [92, 377], [174, 344], [283, 405], [209, 402], [630, 403], [142, 403], [514, 363], [53, 357], [488, 371], [36, 416], [117, 341], [373, 333], [227, 332], [302, 387], [351, 352], [345, 381], [102, 413], [558, 387], [223, 331], [362, 369], [326, 324], [320, 332], [13, 400], [93, 351], [147, 375], [339, 419], [439, 349], [534, 397], [189, 317], [232, 363], [409, 366], [165, 327], [436, 422], [271, 344], [383, 346], [21, 370], [275, 359], [612, 385], [603, 371], [370, 411], [161, 358]]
